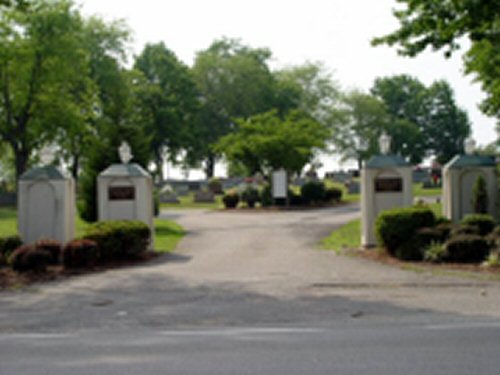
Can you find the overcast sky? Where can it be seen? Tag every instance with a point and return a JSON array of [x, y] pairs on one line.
[[335, 32]]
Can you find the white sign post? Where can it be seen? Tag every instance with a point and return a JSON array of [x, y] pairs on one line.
[[280, 185]]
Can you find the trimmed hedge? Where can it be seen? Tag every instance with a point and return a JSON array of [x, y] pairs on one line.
[[80, 253], [52, 247], [250, 196], [396, 228], [467, 248], [332, 194], [29, 258], [461, 229], [8, 244], [231, 199], [313, 192], [119, 239], [484, 222]]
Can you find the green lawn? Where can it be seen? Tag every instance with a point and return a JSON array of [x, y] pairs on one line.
[[418, 191], [347, 236], [167, 232], [187, 202]]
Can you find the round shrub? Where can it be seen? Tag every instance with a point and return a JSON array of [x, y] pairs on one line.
[[395, 228], [79, 254], [435, 252], [231, 199], [215, 186], [460, 229], [29, 258], [118, 239], [444, 229], [52, 247], [414, 249], [313, 192], [8, 244], [466, 248], [484, 222], [250, 196], [295, 199], [333, 194]]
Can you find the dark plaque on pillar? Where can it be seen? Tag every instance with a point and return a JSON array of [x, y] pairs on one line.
[[121, 193], [388, 185]]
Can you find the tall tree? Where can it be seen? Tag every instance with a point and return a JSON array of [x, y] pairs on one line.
[[440, 24], [168, 102], [447, 125], [42, 64], [403, 97], [425, 121], [309, 88], [267, 141], [362, 120], [235, 82]]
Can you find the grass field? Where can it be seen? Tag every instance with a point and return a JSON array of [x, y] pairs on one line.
[[167, 232], [187, 202], [347, 236]]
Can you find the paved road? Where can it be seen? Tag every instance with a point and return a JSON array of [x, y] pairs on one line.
[[249, 293]]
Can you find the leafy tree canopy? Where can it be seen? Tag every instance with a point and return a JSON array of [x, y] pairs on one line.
[[266, 142], [168, 102], [440, 24]]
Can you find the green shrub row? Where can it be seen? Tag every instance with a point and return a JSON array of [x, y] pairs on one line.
[[103, 241], [415, 234], [119, 239], [312, 192]]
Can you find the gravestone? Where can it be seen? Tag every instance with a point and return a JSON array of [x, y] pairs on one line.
[[459, 177], [46, 205], [204, 196], [353, 187], [386, 183], [125, 192]]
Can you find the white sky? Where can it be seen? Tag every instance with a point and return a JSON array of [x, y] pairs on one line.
[[335, 32]]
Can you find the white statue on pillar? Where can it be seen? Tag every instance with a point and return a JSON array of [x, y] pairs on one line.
[[125, 153], [470, 146], [385, 144]]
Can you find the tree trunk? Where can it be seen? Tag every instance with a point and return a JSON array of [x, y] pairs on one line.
[[210, 166], [159, 171], [75, 166], [21, 156]]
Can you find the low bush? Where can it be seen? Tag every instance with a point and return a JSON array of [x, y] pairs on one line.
[[250, 196], [231, 199], [414, 250], [8, 244], [313, 192], [332, 194], [215, 186], [466, 248], [52, 247], [396, 228], [460, 229], [119, 239], [444, 229], [295, 199], [435, 252], [29, 258], [266, 196], [484, 222], [80, 253]]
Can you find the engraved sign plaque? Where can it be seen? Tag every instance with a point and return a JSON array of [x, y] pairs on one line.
[[121, 193], [388, 185]]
